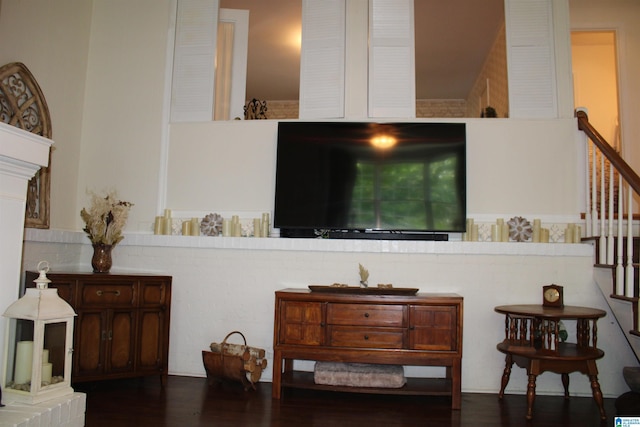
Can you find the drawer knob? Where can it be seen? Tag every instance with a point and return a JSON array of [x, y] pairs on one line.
[[366, 337], [366, 315]]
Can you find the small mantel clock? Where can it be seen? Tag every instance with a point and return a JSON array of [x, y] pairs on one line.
[[552, 296]]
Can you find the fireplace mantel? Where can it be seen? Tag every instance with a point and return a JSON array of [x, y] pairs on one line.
[[22, 154]]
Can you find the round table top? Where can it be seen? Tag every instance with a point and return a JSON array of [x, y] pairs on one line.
[[538, 310]]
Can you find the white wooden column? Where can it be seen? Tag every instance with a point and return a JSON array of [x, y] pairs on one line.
[[21, 156]]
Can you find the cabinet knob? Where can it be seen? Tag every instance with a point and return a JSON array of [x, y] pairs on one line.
[[366, 337], [366, 315], [411, 328], [322, 324]]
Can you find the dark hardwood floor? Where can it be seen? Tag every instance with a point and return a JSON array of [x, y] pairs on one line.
[[187, 401]]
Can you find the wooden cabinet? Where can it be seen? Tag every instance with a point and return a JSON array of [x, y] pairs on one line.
[[122, 324], [420, 330]]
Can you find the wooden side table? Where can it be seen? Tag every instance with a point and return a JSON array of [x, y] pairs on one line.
[[532, 342]]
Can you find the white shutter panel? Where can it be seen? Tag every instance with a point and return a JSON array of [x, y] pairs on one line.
[[531, 59], [392, 83], [192, 89], [322, 59]]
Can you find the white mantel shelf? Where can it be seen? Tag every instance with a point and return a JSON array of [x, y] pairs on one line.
[[324, 245]]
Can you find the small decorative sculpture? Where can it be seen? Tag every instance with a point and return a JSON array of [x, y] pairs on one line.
[[364, 276], [255, 109]]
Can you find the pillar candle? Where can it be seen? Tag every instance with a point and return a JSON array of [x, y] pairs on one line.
[[167, 213], [469, 225], [494, 233], [577, 234], [226, 228], [257, 228], [535, 236], [544, 235], [186, 228], [474, 233], [505, 233], [266, 222], [45, 355], [195, 227], [24, 360], [568, 235], [167, 226], [158, 225], [47, 369]]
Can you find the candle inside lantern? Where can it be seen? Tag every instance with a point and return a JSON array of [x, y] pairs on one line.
[[47, 368], [24, 360]]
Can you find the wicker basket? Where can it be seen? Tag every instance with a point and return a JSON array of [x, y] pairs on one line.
[[235, 362]]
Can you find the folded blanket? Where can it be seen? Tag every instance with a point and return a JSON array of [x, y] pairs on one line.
[[359, 375]]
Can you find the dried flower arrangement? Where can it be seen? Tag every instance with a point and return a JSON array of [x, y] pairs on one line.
[[105, 219]]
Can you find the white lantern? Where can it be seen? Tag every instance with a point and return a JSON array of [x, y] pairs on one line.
[[38, 345]]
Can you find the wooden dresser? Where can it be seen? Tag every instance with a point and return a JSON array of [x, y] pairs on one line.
[[122, 324], [420, 330]]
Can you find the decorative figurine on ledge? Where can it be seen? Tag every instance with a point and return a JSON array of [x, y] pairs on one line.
[[364, 276], [255, 109]]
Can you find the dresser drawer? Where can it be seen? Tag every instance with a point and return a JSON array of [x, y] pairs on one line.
[[112, 294], [366, 315], [348, 336], [153, 293]]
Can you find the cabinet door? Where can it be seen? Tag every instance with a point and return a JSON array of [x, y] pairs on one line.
[[152, 339], [90, 343], [433, 327], [121, 340], [301, 323]]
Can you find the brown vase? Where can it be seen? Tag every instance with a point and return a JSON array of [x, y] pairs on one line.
[[101, 260]]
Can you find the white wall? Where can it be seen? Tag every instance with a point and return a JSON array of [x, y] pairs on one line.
[[508, 167], [51, 38]]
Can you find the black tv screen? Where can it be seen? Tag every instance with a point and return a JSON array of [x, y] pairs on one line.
[[360, 177]]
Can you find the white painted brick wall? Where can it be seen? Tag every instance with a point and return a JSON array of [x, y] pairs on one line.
[[225, 284]]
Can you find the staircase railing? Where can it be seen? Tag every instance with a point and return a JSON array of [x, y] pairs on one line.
[[611, 187]]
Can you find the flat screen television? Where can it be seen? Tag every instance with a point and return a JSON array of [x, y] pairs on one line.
[[370, 180]]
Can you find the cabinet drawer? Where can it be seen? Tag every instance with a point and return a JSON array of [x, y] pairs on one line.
[[366, 315], [153, 293], [347, 336], [112, 294]]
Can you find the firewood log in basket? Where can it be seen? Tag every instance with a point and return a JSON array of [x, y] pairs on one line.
[[235, 362]]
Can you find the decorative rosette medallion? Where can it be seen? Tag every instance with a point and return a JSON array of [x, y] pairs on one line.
[[520, 229], [211, 225]]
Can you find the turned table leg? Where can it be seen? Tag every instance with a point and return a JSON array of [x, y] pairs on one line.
[[531, 395], [506, 375], [597, 395], [565, 384]]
